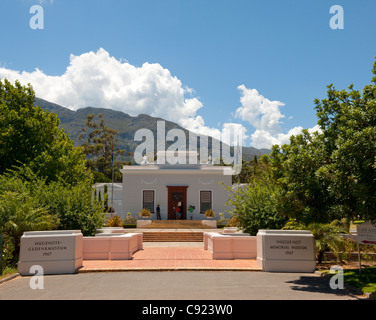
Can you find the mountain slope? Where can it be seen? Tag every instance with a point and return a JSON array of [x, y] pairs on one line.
[[73, 122]]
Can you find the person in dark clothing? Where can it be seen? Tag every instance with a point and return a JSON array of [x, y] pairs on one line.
[[158, 212]]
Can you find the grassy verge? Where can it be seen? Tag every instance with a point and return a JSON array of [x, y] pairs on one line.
[[7, 272], [366, 281]]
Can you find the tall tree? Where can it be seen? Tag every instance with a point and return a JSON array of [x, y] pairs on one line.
[[100, 148], [303, 194], [30, 136], [254, 204], [332, 174]]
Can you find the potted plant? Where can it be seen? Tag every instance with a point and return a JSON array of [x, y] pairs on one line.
[[145, 214], [209, 214]]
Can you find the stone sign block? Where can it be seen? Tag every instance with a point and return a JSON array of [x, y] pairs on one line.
[[286, 251], [57, 252]]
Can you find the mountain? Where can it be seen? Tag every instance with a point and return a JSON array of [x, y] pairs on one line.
[[73, 122]]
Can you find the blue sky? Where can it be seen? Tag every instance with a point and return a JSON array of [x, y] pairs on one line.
[[203, 58]]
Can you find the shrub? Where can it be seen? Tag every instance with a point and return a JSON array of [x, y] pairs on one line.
[[19, 212], [129, 220], [74, 206], [233, 222], [115, 221], [255, 207], [327, 236]]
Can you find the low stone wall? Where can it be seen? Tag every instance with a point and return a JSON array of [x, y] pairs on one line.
[[111, 230], [275, 250], [112, 246], [230, 246], [60, 252]]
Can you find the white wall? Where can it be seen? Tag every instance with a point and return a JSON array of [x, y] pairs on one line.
[[118, 195], [135, 181]]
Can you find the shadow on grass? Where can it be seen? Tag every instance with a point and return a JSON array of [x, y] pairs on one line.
[[366, 281], [322, 285]]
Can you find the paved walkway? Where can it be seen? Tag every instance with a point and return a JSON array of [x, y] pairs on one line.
[[195, 287], [159, 256], [186, 283]]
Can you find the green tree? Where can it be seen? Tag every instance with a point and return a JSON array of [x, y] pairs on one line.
[[19, 212], [303, 194], [255, 203], [100, 148], [331, 174], [348, 121], [105, 200], [249, 168], [30, 136], [75, 206]]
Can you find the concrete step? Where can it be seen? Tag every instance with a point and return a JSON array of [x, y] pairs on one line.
[[176, 224], [173, 236]]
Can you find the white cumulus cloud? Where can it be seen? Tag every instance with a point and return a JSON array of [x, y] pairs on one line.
[[265, 116], [97, 79]]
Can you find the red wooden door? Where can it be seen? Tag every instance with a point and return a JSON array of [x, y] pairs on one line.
[[177, 197]]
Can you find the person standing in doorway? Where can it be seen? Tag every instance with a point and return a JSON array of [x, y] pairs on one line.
[[158, 212], [177, 213]]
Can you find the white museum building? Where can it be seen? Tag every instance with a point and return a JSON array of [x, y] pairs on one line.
[[192, 188]]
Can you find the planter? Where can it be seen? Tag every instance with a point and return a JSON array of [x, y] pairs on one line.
[[209, 214], [142, 223], [210, 223]]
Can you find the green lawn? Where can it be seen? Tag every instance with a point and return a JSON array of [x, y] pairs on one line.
[[7, 272], [366, 282]]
